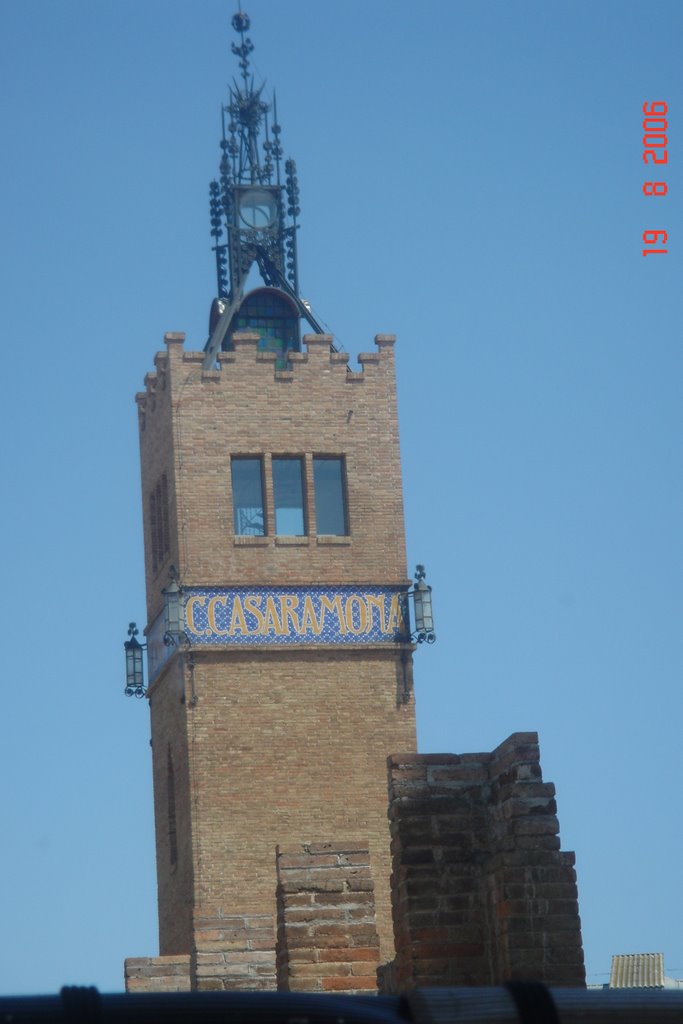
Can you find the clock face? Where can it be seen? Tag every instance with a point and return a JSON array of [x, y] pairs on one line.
[[257, 209]]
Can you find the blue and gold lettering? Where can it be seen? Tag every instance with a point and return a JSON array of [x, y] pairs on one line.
[[376, 603], [237, 619], [309, 620], [396, 625], [288, 605], [344, 615], [252, 605], [333, 604], [189, 615], [211, 614], [362, 615], [273, 624]]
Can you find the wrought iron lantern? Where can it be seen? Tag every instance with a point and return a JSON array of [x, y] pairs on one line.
[[422, 607], [135, 674], [173, 612]]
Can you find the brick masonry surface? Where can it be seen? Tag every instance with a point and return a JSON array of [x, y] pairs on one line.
[[157, 974], [234, 954], [253, 747], [327, 935], [481, 892]]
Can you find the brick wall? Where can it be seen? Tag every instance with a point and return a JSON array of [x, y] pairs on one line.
[[175, 880], [157, 974], [327, 935], [234, 954], [481, 891], [280, 747]]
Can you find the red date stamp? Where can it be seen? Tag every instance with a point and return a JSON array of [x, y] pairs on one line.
[[655, 151]]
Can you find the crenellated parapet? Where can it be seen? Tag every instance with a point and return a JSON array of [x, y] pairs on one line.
[[318, 357]]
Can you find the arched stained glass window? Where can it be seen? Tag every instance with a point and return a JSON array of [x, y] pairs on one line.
[[272, 314]]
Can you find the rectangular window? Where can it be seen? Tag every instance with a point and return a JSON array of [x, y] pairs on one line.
[[330, 496], [247, 497], [288, 493]]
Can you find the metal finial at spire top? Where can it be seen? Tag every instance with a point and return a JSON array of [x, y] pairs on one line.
[[251, 145], [241, 24]]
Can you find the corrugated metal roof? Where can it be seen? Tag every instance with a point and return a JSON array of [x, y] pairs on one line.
[[637, 970]]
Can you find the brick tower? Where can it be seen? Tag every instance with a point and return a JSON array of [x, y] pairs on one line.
[[279, 651], [280, 661]]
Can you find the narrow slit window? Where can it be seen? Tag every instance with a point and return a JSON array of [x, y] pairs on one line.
[[288, 492], [153, 529], [159, 523], [172, 827], [165, 532], [330, 497], [247, 497]]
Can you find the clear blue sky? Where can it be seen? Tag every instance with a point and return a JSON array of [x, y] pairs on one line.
[[471, 177]]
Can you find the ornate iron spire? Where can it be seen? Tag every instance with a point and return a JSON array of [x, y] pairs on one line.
[[253, 210], [252, 155]]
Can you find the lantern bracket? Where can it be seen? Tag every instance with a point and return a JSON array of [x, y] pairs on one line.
[[422, 609], [174, 634], [135, 676]]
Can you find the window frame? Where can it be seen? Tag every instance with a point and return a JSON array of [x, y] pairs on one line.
[[262, 482], [305, 525], [344, 494]]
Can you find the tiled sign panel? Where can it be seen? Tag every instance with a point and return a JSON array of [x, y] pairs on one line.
[[287, 616]]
